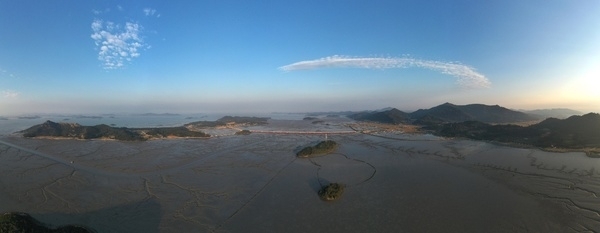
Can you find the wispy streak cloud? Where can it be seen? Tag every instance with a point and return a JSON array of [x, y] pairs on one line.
[[466, 75], [10, 94], [116, 44]]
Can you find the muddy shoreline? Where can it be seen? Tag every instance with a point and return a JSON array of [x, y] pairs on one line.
[[231, 183]]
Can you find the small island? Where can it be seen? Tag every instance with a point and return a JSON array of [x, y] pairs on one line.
[[229, 121], [50, 129], [324, 147], [331, 192], [243, 132], [76, 131], [22, 222], [309, 118]]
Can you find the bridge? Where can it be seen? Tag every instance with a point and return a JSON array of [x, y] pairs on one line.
[[301, 132]]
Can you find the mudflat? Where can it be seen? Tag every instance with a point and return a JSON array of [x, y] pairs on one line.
[[255, 183]]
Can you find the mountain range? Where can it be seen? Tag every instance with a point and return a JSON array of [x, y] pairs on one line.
[[446, 113], [491, 123], [388, 116], [575, 132]]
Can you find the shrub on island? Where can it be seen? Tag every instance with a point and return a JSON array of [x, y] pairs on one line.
[[324, 147], [243, 132], [331, 192]]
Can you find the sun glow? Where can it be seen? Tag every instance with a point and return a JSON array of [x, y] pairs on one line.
[[583, 90]]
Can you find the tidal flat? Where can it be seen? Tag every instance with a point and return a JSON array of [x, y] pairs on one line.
[[395, 182]]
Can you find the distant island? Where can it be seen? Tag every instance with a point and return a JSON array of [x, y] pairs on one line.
[[230, 120], [158, 114], [76, 131], [29, 117], [22, 222], [190, 130], [88, 117], [324, 147]]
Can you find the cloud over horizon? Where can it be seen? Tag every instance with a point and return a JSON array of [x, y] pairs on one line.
[[116, 44], [10, 94], [466, 75]]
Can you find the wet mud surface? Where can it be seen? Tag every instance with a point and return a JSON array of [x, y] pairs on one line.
[[254, 183]]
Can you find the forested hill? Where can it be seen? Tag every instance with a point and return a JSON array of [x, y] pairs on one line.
[[472, 112], [575, 132], [446, 113], [389, 116], [73, 130], [190, 130]]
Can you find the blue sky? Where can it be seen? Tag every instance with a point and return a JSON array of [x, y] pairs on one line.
[[243, 56]]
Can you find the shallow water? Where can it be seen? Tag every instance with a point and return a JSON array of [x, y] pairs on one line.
[[255, 183]]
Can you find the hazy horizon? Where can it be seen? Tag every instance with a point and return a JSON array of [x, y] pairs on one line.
[[190, 111], [99, 57]]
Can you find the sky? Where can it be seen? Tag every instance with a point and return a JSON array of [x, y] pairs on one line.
[[95, 56]]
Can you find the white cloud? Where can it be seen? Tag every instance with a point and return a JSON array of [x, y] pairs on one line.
[[99, 12], [10, 94], [466, 75], [150, 12], [5, 74], [116, 44]]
